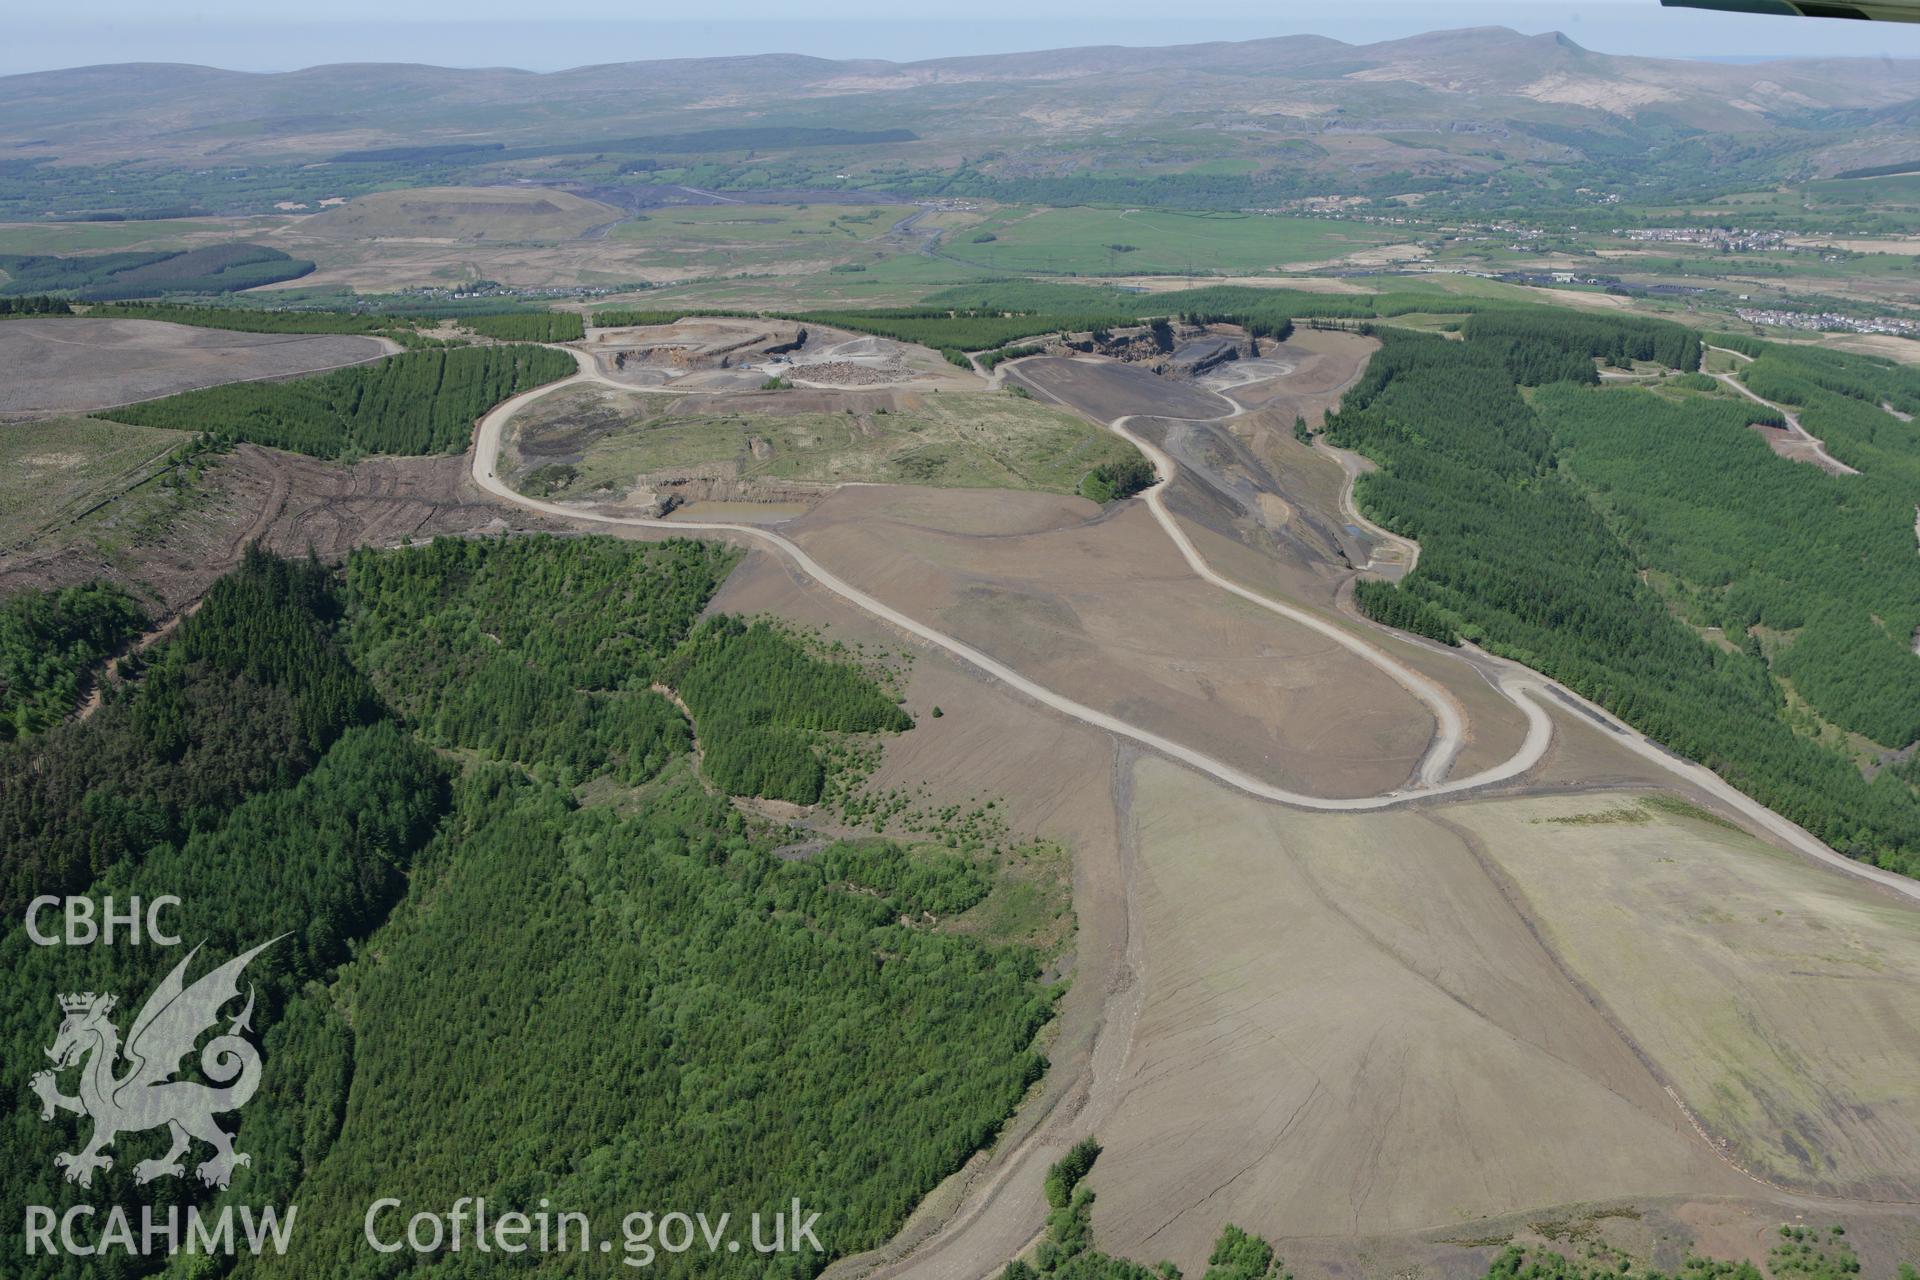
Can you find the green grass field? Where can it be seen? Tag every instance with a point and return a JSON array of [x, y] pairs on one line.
[[893, 280], [1779, 268], [590, 442], [87, 237], [1723, 362], [711, 228], [757, 255], [1155, 241], [1901, 189], [61, 467]]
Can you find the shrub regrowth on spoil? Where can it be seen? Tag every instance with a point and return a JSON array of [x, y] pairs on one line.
[[1112, 481], [1067, 1250]]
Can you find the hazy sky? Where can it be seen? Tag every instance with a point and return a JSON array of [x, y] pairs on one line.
[[249, 35]]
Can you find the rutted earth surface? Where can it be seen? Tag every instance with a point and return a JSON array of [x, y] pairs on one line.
[[170, 551]]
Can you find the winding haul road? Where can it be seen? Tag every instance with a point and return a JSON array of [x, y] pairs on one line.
[[1521, 685], [1449, 739], [973, 1240]]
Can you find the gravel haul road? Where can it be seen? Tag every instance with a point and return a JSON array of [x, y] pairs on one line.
[[1523, 686], [1520, 689], [974, 1239]]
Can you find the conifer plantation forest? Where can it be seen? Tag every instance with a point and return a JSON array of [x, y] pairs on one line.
[[1643, 545], [531, 948], [417, 402], [49, 641]]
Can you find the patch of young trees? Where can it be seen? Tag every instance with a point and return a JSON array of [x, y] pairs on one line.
[[528, 326], [1112, 481], [630, 317], [49, 641], [759, 702], [1619, 341], [1385, 603], [990, 359], [544, 651], [221, 268], [413, 403], [249, 319], [535, 650], [35, 305]]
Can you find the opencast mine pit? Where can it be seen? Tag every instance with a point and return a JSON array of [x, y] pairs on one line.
[[718, 354], [653, 451], [1380, 1037]]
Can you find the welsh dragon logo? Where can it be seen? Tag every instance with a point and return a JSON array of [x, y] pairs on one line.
[[146, 1096]]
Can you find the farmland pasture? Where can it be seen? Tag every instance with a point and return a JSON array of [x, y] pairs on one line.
[[728, 238], [1155, 241], [88, 237], [702, 227], [1895, 189]]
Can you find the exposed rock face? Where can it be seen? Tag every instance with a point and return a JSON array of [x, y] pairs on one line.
[[1195, 357], [1195, 349]]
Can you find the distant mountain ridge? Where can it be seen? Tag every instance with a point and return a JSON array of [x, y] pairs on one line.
[[1253, 104]]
